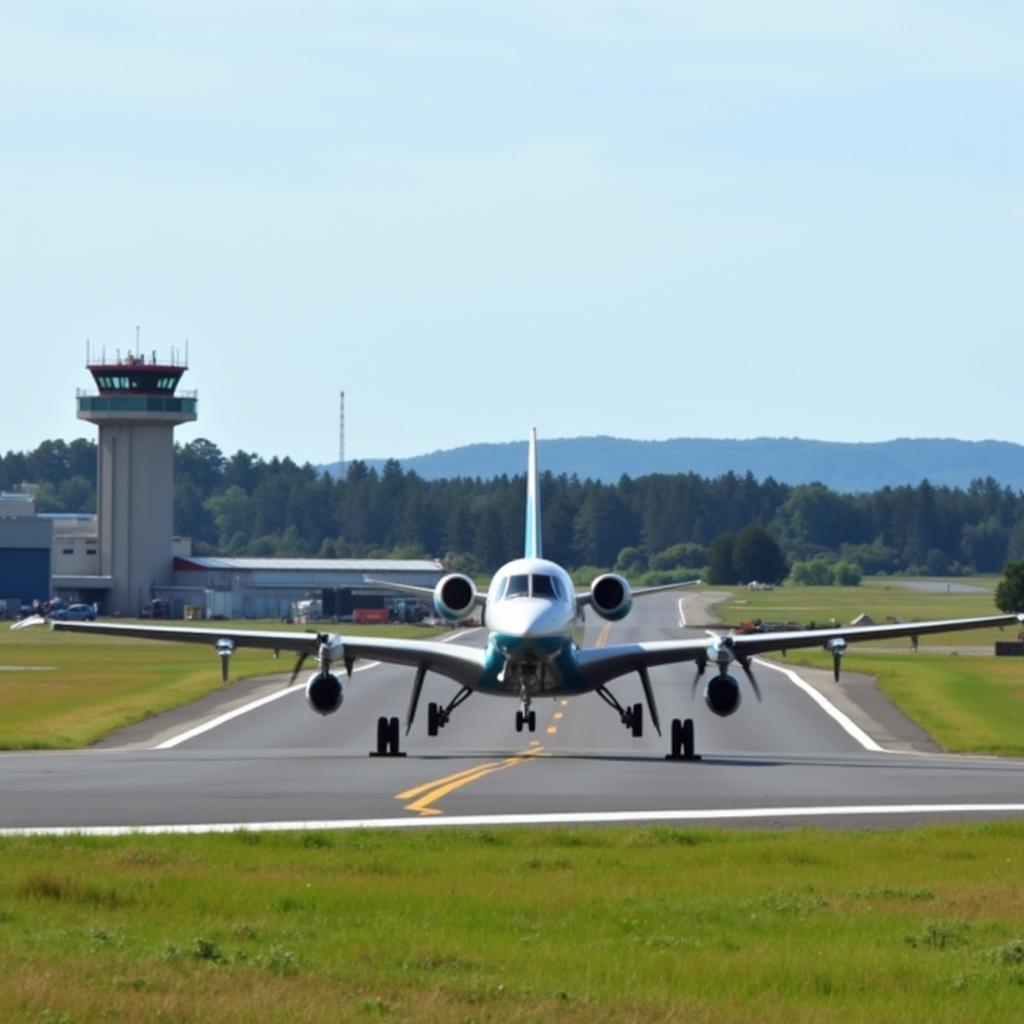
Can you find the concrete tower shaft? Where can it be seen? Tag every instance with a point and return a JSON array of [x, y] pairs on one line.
[[136, 410]]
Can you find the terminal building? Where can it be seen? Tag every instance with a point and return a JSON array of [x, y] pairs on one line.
[[127, 556]]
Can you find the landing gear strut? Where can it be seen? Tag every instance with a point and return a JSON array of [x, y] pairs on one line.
[[387, 739], [438, 717], [526, 719], [682, 741], [632, 717]]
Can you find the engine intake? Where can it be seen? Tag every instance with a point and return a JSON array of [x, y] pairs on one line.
[[324, 693], [722, 695], [611, 597], [454, 597]]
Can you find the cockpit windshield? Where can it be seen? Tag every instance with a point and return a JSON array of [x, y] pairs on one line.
[[537, 585], [545, 586]]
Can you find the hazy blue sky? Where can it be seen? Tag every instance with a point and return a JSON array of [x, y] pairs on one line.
[[648, 219]]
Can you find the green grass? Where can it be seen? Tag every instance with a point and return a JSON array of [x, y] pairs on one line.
[[60, 690], [657, 924], [967, 702], [880, 597]]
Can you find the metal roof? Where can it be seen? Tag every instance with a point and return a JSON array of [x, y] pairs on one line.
[[307, 564]]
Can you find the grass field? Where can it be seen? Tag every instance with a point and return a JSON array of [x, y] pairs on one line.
[[967, 701], [884, 599], [654, 924], [69, 690]]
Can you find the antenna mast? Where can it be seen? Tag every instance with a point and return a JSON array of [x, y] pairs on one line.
[[341, 436]]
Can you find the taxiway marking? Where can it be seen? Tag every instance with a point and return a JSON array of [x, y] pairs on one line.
[[439, 788], [843, 720], [228, 716]]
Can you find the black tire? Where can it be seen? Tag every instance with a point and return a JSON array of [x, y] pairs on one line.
[[393, 734], [382, 735], [531, 721], [519, 721], [432, 719], [677, 738], [636, 721], [686, 737]]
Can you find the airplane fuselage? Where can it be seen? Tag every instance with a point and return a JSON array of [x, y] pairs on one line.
[[535, 630]]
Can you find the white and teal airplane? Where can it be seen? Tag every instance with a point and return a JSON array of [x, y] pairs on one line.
[[534, 616]]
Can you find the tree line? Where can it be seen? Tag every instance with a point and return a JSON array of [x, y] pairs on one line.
[[243, 504]]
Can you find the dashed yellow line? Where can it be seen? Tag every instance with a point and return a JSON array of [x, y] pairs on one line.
[[552, 729], [439, 788], [558, 715]]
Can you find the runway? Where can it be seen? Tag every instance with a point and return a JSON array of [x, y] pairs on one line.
[[784, 761]]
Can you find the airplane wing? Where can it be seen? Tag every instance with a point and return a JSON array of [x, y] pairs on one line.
[[405, 588], [600, 665], [458, 662], [583, 596], [640, 591], [411, 588]]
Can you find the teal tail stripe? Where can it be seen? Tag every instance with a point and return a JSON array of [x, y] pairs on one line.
[[533, 539]]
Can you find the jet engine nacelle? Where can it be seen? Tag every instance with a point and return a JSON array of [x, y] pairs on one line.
[[324, 693], [722, 695], [611, 597], [454, 597]]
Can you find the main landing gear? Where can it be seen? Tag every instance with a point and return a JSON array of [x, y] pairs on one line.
[[387, 739], [438, 717], [682, 741], [632, 717]]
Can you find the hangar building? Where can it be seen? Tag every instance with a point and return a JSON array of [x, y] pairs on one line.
[[269, 588], [26, 553]]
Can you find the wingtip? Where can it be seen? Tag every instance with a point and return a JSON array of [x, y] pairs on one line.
[[30, 620]]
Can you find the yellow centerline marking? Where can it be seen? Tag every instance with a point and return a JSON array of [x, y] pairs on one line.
[[439, 788], [558, 715], [552, 728]]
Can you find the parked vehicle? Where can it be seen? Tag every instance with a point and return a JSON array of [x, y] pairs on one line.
[[75, 613], [157, 609]]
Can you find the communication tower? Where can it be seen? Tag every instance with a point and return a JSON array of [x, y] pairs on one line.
[[341, 437], [136, 409]]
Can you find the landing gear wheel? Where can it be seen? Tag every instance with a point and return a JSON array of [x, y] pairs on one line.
[[531, 721], [433, 719], [636, 720], [682, 741], [387, 739], [519, 721]]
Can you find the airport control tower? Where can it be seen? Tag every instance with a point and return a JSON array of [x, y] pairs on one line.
[[136, 409]]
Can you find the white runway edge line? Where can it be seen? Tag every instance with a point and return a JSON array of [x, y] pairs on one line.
[[489, 820], [828, 707], [270, 698]]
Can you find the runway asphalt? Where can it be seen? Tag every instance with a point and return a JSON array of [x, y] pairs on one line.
[[787, 760]]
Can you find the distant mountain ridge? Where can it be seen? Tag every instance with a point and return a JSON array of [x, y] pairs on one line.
[[842, 466]]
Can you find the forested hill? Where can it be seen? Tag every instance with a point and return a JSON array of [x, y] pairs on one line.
[[849, 468], [243, 505]]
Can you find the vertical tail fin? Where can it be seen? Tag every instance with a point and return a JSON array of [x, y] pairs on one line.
[[533, 538]]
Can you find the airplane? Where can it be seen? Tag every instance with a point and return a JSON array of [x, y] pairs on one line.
[[534, 617]]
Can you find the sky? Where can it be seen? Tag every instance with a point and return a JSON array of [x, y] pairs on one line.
[[649, 219]]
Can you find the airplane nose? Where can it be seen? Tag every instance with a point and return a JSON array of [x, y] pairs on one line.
[[526, 621], [529, 617]]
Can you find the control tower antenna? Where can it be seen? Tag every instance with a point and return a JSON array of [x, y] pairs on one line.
[[341, 437]]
